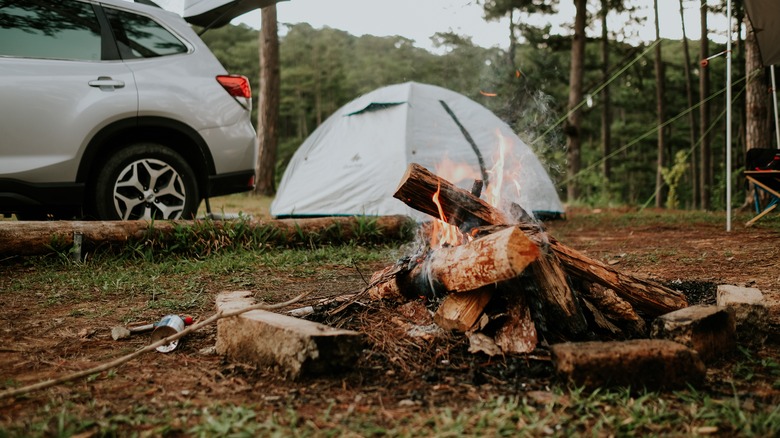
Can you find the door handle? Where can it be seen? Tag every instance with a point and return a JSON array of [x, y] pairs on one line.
[[106, 83]]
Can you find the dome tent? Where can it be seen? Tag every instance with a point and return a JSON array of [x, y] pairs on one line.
[[352, 164]]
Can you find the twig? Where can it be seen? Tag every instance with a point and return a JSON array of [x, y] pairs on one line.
[[121, 360]]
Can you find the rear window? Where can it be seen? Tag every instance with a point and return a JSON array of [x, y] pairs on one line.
[[51, 30], [139, 36]]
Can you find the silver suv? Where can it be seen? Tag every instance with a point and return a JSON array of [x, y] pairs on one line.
[[115, 110]]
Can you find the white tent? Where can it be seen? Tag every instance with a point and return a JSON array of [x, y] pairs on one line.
[[353, 162]]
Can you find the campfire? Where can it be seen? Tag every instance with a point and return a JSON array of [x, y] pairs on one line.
[[498, 276]]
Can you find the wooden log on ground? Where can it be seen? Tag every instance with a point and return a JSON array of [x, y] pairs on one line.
[[44, 237], [296, 347]]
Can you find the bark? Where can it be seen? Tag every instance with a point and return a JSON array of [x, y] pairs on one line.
[[757, 103], [574, 139], [645, 295], [606, 104], [268, 103], [691, 114], [660, 109], [705, 160], [418, 185]]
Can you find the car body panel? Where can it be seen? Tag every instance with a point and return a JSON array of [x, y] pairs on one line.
[[60, 119], [49, 111]]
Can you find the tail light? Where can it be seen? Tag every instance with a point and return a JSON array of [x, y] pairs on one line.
[[236, 85]]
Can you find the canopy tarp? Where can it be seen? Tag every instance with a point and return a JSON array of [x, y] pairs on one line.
[[764, 15]]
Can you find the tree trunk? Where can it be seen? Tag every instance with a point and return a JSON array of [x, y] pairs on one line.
[[757, 120], [659, 99], [268, 103], [606, 108], [574, 143], [705, 173], [691, 115], [757, 103]]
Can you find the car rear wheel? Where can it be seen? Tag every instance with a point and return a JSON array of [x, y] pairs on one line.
[[146, 181]]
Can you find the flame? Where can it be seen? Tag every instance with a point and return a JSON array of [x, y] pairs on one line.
[[493, 192], [503, 187], [443, 233], [455, 172]]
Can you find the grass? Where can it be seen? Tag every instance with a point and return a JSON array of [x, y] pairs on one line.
[[562, 412]]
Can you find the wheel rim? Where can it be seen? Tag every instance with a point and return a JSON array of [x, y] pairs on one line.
[[149, 189]]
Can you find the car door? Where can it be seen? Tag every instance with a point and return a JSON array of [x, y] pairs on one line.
[[61, 80]]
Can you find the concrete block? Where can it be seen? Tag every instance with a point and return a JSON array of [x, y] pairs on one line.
[[710, 330], [640, 363], [750, 312], [296, 347]]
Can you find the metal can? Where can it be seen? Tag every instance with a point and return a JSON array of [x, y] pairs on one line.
[[167, 326]]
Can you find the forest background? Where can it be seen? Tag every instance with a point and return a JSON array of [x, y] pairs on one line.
[[651, 117]]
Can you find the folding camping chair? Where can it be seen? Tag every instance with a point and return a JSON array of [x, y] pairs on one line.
[[762, 171]]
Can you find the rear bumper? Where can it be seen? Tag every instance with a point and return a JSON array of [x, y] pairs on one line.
[[228, 183]]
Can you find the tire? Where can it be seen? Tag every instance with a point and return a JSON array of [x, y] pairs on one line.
[[146, 181]]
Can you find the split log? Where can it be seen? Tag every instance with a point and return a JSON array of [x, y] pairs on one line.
[[484, 261], [518, 333], [461, 311], [44, 237], [460, 205]]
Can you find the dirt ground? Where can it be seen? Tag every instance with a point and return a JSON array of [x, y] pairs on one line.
[[393, 375]]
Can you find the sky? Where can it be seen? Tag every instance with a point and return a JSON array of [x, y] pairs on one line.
[[418, 20]]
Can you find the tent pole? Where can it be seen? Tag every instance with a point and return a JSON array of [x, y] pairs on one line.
[[728, 120], [774, 101]]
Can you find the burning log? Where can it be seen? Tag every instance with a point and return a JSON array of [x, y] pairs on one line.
[[484, 261]]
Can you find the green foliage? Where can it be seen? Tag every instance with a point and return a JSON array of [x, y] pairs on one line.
[[672, 178]]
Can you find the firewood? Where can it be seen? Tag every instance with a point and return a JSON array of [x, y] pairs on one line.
[[462, 208], [615, 310], [644, 294], [487, 260], [460, 311], [518, 333], [466, 211]]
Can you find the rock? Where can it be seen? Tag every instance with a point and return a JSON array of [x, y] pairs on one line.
[[750, 312], [640, 363], [710, 330], [119, 332]]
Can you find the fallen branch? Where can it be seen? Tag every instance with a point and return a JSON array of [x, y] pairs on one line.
[[124, 359]]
